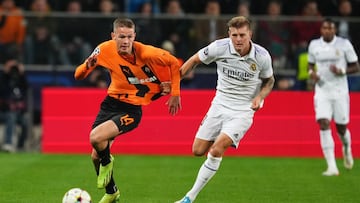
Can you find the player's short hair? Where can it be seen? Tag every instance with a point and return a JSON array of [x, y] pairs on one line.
[[123, 22], [329, 20], [239, 21]]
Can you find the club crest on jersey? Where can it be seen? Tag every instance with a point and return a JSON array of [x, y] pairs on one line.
[[337, 52], [253, 67], [96, 51]]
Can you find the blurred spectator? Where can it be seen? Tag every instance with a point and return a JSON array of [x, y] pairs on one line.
[[42, 47], [147, 28], [177, 28], [74, 34], [13, 95], [104, 25], [243, 9], [187, 81], [348, 29], [42, 11], [12, 30], [273, 34], [211, 27], [302, 31], [284, 83], [134, 6]]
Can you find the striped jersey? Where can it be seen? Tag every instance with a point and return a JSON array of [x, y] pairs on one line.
[[137, 83]]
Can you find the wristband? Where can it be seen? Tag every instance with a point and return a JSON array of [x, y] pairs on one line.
[[342, 71]]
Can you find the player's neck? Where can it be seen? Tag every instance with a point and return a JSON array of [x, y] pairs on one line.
[[130, 57]]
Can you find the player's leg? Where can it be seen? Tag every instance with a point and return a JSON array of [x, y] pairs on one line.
[[234, 127], [341, 118], [323, 114], [100, 138], [204, 139], [209, 168], [328, 147]]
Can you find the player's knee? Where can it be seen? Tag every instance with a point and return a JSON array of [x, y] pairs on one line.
[[217, 151], [324, 124], [94, 138], [198, 152]]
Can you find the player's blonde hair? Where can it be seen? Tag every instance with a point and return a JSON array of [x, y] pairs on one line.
[[239, 21], [123, 22]]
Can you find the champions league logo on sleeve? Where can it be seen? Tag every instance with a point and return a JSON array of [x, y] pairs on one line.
[[206, 51], [96, 51]]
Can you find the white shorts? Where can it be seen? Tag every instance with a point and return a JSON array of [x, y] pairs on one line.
[[221, 120], [337, 109]]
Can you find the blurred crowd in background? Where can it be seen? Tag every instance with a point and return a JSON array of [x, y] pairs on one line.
[[44, 40]]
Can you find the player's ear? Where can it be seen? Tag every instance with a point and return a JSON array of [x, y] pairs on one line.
[[112, 35]]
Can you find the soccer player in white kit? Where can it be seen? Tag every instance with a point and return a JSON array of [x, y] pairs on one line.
[[334, 57], [245, 78]]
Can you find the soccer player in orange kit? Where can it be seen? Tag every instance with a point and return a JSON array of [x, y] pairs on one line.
[[139, 74]]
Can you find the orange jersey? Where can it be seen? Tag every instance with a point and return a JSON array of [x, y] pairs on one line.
[[12, 27], [137, 83]]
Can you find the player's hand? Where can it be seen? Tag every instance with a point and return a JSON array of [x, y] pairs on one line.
[[91, 61], [337, 71], [314, 76], [165, 88], [174, 105], [257, 103]]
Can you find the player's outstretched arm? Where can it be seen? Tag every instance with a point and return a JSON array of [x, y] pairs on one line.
[[83, 70], [190, 64]]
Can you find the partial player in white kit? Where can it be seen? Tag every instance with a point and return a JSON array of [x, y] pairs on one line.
[[245, 78], [334, 57]]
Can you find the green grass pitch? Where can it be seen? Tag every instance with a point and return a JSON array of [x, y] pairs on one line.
[[40, 178]]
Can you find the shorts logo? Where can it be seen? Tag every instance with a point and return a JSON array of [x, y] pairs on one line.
[[126, 120], [253, 67]]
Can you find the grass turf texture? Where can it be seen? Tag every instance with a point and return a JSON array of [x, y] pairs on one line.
[[37, 178]]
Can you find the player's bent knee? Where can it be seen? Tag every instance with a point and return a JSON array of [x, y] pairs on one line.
[[95, 139], [198, 152]]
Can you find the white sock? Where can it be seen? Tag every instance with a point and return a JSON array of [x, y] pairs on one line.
[[206, 172], [346, 139], [327, 145]]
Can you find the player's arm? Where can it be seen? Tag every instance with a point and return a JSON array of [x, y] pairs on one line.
[[350, 69], [312, 72], [353, 68], [174, 103], [189, 65], [265, 89], [83, 70]]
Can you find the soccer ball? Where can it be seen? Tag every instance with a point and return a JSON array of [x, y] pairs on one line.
[[76, 195]]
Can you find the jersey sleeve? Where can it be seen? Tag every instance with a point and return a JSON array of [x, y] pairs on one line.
[[208, 54], [267, 70], [169, 65], [311, 56], [82, 71], [350, 53]]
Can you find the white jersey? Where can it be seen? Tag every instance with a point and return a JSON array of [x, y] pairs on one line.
[[238, 76], [338, 52]]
